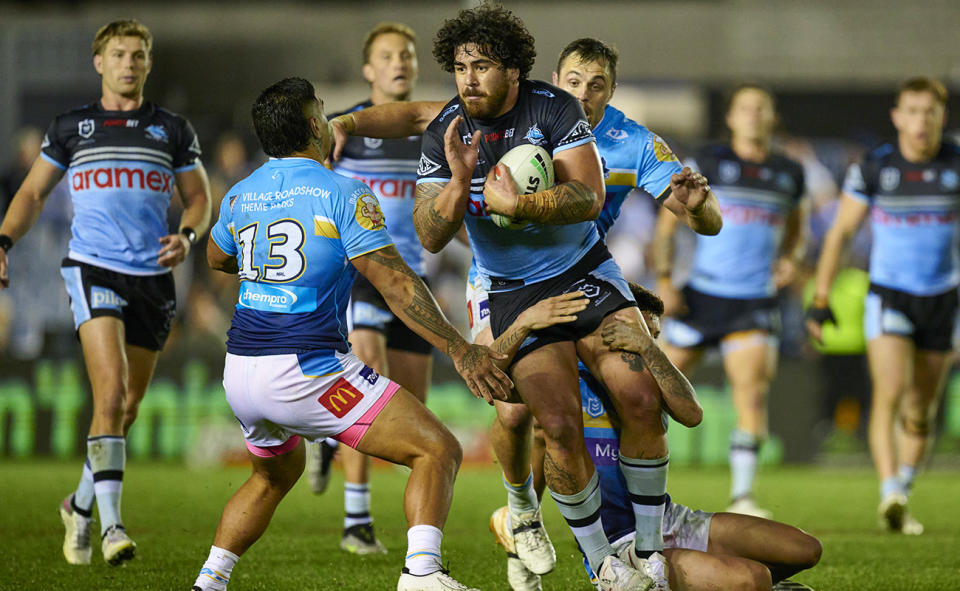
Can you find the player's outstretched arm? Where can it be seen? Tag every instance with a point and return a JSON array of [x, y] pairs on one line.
[[794, 245], [25, 208], [850, 214], [673, 304], [679, 397], [194, 187], [556, 310], [692, 201], [577, 197], [439, 208], [409, 298], [390, 120], [219, 260]]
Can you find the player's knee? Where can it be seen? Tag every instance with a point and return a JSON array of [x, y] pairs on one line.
[[811, 551], [757, 578], [641, 407], [444, 449], [561, 432], [515, 418], [917, 426]]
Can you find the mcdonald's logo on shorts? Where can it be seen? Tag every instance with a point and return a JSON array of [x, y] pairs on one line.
[[340, 398]]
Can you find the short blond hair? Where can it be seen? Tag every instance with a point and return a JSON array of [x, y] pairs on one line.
[[923, 84], [384, 29], [121, 28]]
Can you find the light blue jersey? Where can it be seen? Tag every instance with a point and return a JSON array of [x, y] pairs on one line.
[[294, 226], [755, 199], [914, 210], [633, 158]]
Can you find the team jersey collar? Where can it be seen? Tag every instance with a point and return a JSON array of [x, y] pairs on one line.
[[145, 109]]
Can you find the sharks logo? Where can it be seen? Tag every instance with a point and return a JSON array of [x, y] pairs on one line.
[[534, 135], [158, 133]]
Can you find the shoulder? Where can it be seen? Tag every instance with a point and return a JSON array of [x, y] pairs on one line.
[[73, 117], [781, 161], [540, 94], [881, 154], [168, 115], [440, 122]]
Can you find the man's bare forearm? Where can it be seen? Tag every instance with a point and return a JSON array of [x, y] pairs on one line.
[[413, 303], [508, 343], [391, 120], [679, 395], [438, 213], [566, 203], [706, 219]]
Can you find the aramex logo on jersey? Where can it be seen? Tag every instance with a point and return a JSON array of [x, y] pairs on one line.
[[340, 398], [662, 150], [368, 212]]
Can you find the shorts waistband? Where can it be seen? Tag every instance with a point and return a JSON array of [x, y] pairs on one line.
[[597, 254]]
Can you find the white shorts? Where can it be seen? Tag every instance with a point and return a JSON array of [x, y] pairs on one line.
[[478, 307], [276, 403], [682, 528]]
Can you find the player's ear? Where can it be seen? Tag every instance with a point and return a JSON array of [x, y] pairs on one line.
[[98, 63], [556, 79], [368, 73], [613, 89]]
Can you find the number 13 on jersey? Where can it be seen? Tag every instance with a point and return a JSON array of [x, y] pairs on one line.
[[281, 260]]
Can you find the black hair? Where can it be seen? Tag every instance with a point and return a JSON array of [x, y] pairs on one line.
[[592, 50], [280, 119], [499, 34], [647, 301]]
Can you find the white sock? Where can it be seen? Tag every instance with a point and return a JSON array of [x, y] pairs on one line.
[[83, 497], [356, 503], [582, 512], [215, 573], [423, 550], [521, 498], [647, 484], [907, 475], [744, 448], [107, 455]]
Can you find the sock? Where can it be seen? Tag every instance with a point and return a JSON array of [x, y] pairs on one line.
[[521, 498], [107, 456], [356, 502], [647, 485], [892, 485], [907, 475], [582, 512], [331, 442], [215, 573], [83, 498], [423, 550], [743, 462]]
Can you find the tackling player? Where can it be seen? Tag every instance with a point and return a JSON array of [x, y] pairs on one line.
[[289, 230], [730, 297], [911, 191], [123, 156], [378, 337]]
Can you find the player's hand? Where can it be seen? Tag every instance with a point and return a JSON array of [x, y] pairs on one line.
[[485, 380], [461, 158], [690, 188], [338, 138], [785, 272], [500, 192], [673, 304], [816, 316], [174, 250], [625, 333], [556, 310], [4, 280]]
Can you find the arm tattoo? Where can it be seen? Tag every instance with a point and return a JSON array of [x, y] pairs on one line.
[[566, 203], [422, 308], [432, 228], [508, 341], [670, 379], [558, 478], [634, 361]]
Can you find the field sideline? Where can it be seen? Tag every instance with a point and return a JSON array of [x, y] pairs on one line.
[[172, 513]]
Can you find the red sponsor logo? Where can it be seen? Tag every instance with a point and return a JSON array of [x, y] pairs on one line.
[[913, 219], [115, 123], [340, 398], [121, 178], [391, 188], [741, 214]]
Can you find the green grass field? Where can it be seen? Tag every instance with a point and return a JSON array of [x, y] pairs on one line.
[[172, 513]]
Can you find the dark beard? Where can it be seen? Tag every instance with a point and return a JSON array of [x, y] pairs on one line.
[[488, 107]]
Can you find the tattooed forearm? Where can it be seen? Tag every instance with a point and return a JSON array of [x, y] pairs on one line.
[[566, 203], [420, 309], [674, 385], [433, 228], [633, 360], [558, 478]]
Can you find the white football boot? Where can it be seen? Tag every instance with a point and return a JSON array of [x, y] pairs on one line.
[[654, 567], [519, 576], [533, 544], [614, 575], [436, 581], [117, 546], [76, 539]]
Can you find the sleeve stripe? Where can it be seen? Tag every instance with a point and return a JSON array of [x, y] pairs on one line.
[[664, 194], [585, 140], [857, 195], [186, 167], [52, 161], [442, 181], [381, 247]]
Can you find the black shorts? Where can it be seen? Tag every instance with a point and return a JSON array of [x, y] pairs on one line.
[[145, 303], [928, 320], [369, 310], [710, 318], [596, 274]]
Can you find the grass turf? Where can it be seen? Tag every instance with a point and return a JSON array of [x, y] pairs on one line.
[[172, 513]]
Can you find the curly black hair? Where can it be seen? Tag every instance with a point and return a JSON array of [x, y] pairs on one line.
[[647, 301], [500, 35]]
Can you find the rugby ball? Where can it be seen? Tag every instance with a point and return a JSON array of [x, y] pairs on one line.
[[532, 170]]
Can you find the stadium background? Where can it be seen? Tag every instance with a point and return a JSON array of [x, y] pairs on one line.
[[833, 65]]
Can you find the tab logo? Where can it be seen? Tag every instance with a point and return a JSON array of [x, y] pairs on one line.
[[340, 398]]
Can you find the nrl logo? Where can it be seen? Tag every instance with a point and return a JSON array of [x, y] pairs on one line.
[[85, 128]]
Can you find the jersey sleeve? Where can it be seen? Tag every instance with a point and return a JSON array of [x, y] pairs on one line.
[[222, 231], [188, 149], [569, 127], [52, 149], [433, 167], [855, 183], [360, 222], [656, 164]]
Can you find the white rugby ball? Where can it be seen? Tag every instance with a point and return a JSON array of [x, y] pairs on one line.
[[532, 170]]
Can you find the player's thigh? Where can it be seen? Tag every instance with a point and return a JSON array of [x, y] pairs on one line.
[[763, 540], [514, 416], [929, 375], [549, 384], [102, 342], [141, 364], [411, 370], [405, 430], [280, 471], [371, 347], [620, 373], [891, 365], [749, 360], [691, 570]]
